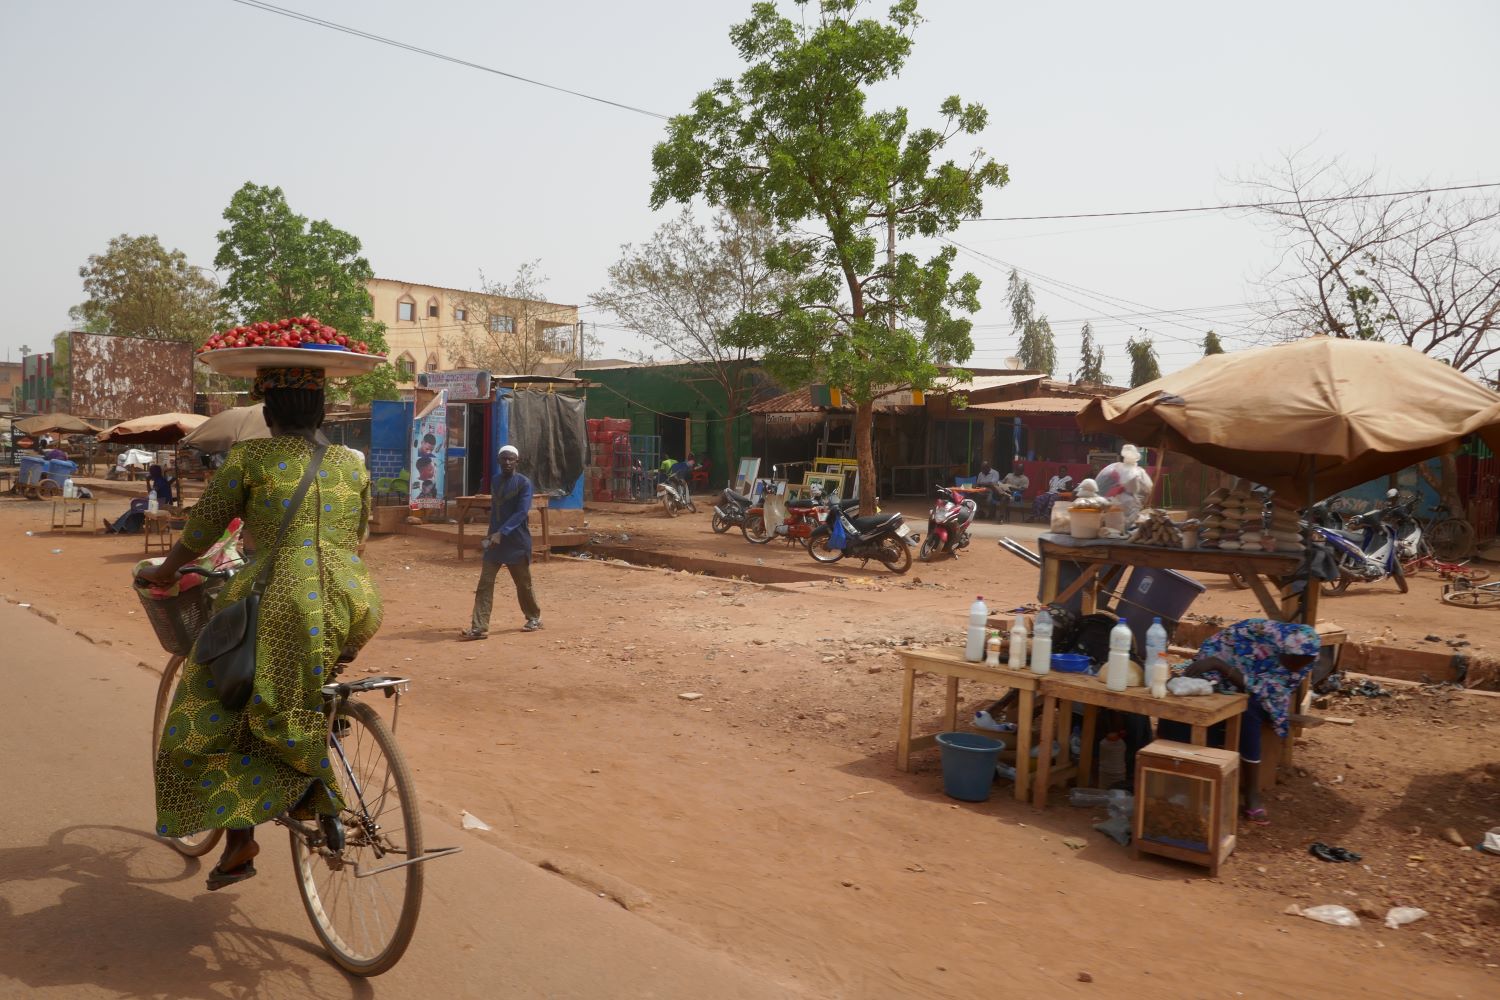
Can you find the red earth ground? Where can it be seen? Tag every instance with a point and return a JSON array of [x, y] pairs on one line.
[[766, 818]]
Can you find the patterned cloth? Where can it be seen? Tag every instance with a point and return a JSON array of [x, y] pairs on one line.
[[1255, 647], [286, 378], [218, 768]]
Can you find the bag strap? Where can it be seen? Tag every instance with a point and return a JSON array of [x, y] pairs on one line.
[[269, 567]]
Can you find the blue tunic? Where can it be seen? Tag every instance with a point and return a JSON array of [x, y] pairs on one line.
[[510, 504]]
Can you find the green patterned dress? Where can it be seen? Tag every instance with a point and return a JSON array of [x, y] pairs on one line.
[[218, 768]]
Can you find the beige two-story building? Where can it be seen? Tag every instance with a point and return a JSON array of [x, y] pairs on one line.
[[433, 328]]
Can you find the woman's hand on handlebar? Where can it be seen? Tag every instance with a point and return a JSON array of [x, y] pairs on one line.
[[157, 575]]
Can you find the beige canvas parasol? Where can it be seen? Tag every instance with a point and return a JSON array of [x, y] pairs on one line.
[[243, 423], [55, 423], [158, 428], [1321, 413]]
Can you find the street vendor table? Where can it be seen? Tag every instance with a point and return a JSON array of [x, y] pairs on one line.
[[77, 514], [480, 504], [157, 528], [1060, 691], [1106, 557], [953, 666]]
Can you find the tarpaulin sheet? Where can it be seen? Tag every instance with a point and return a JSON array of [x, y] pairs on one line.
[[550, 432]]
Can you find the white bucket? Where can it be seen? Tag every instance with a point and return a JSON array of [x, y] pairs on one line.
[[1114, 517], [1085, 521]]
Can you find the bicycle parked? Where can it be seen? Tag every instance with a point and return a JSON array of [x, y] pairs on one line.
[[363, 894]]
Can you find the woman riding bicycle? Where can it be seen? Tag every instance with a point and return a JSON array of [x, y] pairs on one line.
[[218, 768]]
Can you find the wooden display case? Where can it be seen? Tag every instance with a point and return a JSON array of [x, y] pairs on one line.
[[1185, 803]]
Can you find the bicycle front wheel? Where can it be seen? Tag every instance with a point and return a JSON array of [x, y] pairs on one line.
[[198, 844], [1452, 539], [363, 909]]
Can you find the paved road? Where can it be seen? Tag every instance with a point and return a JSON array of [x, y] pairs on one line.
[[91, 907]]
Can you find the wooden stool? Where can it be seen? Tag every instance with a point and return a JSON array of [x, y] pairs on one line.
[[158, 531]]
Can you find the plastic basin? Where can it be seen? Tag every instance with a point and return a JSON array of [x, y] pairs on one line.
[[1070, 663], [968, 765]]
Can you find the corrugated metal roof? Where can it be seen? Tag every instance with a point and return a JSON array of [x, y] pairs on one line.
[[1035, 404], [796, 401], [981, 382]]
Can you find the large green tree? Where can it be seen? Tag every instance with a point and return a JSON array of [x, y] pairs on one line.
[[280, 264], [1091, 359], [1212, 344], [1037, 348], [139, 288], [792, 139], [1143, 362]]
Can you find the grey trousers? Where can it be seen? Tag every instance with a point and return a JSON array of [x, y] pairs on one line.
[[484, 594]]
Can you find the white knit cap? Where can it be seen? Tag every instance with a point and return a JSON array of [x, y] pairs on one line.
[[510, 448]]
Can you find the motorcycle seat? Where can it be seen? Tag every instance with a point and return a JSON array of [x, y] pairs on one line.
[[864, 524], [801, 504], [739, 497]]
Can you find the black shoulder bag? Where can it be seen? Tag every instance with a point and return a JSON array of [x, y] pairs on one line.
[[226, 646]]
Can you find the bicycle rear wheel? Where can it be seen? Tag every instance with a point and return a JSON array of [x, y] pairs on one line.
[[1452, 539], [198, 844], [363, 910]]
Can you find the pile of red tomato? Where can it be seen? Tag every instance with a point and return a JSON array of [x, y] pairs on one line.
[[300, 331]]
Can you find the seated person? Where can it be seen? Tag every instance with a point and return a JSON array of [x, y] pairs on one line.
[[55, 454], [1007, 490], [130, 522], [683, 473], [1041, 507], [1266, 660], [989, 480]]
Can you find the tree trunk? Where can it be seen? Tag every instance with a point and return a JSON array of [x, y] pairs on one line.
[[731, 436], [864, 427]]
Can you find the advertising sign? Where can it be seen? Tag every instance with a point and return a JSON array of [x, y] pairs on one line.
[[429, 442], [465, 386], [119, 378]]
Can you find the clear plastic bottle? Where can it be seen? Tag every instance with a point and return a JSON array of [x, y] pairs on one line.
[[1112, 761], [1156, 649], [1158, 678], [992, 649], [1041, 643], [151, 503], [1017, 660], [68, 489], [979, 618], [1117, 668]]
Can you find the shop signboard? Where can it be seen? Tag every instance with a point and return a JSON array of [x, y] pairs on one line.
[[429, 442], [469, 385]]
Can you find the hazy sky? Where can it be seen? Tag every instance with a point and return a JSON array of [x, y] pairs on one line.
[[145, 116]]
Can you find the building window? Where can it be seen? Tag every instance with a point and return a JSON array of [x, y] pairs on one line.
[[460, 313], [502, 324], [432, 308], [557, 339], [432, 362], [406, 367], [406, 311]]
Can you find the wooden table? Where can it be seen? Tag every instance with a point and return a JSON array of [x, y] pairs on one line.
[[1059, 691], [85, 509], [953, 666], [157, 529], [480, 503], [1106, 557]]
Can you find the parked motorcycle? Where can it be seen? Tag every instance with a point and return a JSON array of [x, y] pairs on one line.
[[879, 536], [948, 524], [1368, 549], [793, 520], [674, 496], [730, 511]]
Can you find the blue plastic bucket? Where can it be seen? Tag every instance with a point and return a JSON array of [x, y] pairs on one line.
[[968, 765]]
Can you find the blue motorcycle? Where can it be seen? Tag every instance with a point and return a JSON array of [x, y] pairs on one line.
[[1368, 549]]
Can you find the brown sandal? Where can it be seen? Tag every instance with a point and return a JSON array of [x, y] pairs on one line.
[[469, 635], [219, 878]]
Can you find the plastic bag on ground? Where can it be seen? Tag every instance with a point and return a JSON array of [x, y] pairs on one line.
[[1396, 916], [1331, 913], [1116, 828]]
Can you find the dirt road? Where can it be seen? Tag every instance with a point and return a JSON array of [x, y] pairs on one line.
[[765, 819]]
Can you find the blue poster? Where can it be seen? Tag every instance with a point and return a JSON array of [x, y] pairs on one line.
[[429, 440]]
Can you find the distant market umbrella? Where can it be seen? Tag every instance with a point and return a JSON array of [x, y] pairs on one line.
[[1316, 416], [55, 423], [158, 428], [218, 432]]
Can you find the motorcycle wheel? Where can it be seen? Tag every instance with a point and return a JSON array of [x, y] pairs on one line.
[[1332, 588], [719, 524], [817, 546], [929, 546], [895, 553], [668, 506], [1400, 579], [754, 529]]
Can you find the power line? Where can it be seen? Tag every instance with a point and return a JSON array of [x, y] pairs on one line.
[[357, 33], [1232, 207]]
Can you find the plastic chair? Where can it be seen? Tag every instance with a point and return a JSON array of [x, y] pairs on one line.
[[700, 474]]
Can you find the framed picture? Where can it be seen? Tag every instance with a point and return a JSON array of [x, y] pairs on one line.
[[796, 491], [832, 483], [749, 470]]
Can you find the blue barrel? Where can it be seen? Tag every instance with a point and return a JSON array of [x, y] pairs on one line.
[[32, 467], [60, 470], [968, 765]]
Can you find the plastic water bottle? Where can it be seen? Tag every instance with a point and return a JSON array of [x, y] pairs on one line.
[[151, 504], [68, 490], [1112, 761], [992, 649], [979, 618], [1117, 668], [1017, 660], [1158, 678], [1156, 649], [1041, 643]]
